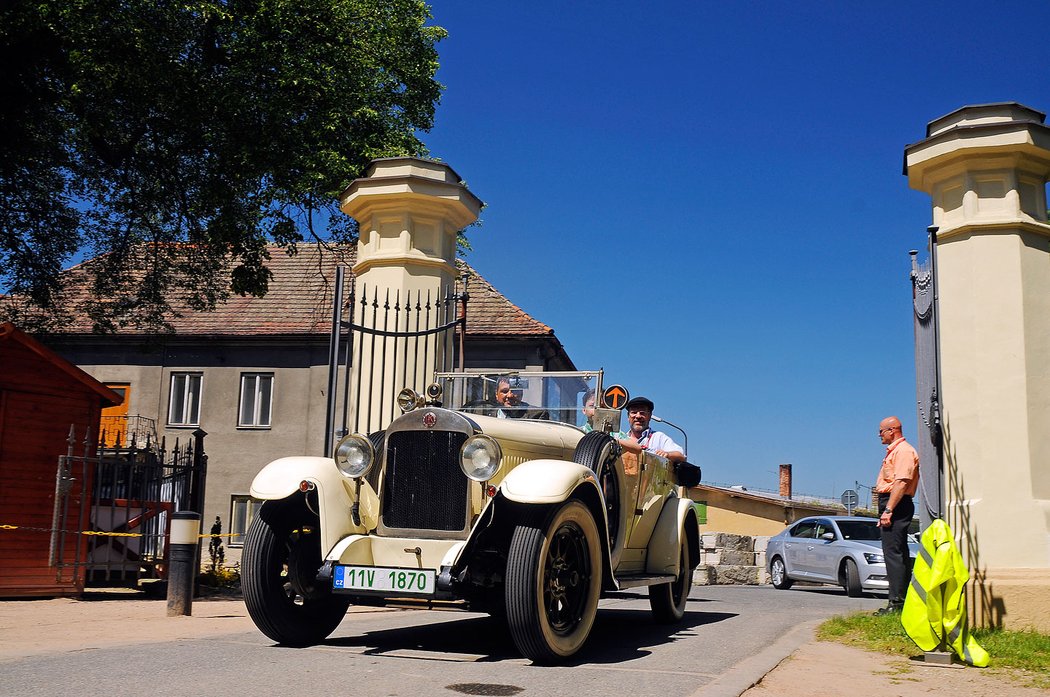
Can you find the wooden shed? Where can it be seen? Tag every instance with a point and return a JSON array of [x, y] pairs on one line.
[[41, 396]]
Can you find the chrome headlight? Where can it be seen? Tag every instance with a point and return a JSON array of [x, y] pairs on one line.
[[480, 457], [873, 558], [408, 400], [354, 455]]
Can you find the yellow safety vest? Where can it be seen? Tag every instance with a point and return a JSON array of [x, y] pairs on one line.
[[935, 607]]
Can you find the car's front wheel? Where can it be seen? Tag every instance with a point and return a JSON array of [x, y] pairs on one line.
[[668, 600], [778, 574], [851, 576], [282, 554], [553, 582]]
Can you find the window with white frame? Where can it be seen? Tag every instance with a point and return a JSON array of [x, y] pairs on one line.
[[184, 402], [256, 400], [243, 509]]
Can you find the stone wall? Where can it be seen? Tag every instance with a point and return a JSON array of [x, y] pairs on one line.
[[727, 559]]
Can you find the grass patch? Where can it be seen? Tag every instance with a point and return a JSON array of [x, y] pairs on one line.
[[1021, 656]]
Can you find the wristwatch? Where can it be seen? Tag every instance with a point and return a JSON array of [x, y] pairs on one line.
[[888, 510]]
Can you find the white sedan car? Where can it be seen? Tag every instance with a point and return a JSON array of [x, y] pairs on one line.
[[841, 550]]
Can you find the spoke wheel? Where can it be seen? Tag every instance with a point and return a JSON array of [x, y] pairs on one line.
[[553, 583], [668, 600], [778, 574], [282, 554]]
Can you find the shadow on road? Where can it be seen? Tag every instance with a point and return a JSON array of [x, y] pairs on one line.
[[628, 634], [826, 590], [618, 635]]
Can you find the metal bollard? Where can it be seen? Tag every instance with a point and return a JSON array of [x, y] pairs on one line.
[[182, 560]]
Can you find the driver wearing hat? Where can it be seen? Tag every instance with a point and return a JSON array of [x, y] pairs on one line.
[[643, 437]]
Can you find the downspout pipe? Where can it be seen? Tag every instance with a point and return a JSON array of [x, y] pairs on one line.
[[938, 441]]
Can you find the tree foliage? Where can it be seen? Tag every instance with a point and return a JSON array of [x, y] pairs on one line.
[[172, 140]]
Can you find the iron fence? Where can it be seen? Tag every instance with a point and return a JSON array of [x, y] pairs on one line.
[[122, 497], [388, 342]]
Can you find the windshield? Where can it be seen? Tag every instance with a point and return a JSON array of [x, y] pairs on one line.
[[561, 397], [860, 530]]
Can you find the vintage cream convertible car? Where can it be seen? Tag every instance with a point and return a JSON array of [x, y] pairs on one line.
[[489, 508]]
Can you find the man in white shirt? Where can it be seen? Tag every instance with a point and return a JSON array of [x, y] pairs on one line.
[[641, 436]]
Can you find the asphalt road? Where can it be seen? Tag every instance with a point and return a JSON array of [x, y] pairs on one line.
[[729, 638]]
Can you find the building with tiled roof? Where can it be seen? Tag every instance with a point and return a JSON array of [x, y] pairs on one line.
[[253, 372], [299, 302]]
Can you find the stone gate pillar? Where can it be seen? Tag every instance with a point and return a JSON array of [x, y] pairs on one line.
[[986, 169], [409, 211]]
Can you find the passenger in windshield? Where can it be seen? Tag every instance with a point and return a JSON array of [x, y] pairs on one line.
[[589, 401], [511, 406], [588, 411]]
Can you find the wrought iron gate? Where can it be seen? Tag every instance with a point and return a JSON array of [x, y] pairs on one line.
[[121, 498], [387, 343]]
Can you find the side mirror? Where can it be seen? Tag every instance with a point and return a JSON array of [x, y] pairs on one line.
[[829, 536]]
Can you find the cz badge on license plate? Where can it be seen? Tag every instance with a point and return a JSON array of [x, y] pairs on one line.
[[384, 579]]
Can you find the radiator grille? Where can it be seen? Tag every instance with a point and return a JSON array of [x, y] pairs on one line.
[[424, 487]]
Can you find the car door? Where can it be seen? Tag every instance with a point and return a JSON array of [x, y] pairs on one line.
[[796, 546], [648, 484], [821, 554]]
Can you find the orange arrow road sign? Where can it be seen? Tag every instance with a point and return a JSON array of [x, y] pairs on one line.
[[615, 396]]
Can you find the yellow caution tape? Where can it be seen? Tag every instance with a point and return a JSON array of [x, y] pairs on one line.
[[103, 533]]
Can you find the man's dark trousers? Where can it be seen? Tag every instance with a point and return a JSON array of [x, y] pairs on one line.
[[895, 547]]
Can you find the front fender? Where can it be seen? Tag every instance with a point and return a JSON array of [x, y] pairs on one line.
[[540, 483], [544, 481], [672, 529], [280, 479], [336, 494]]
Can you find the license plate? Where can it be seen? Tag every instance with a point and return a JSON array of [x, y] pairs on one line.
[[384, 579]]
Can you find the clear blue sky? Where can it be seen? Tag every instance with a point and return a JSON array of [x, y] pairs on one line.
[[706, 199]]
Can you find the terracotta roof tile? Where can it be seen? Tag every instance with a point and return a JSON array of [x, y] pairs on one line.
[[299, 301]]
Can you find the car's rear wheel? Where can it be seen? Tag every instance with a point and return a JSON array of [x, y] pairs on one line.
[[553, 582], [778, 574], [282, 554], [668, 600], [851, 578]]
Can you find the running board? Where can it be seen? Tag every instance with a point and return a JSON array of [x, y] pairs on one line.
[[638, 581]]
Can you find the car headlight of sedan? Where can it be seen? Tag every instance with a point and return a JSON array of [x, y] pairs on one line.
[[480, 457], [873, 558], [354, 455]]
